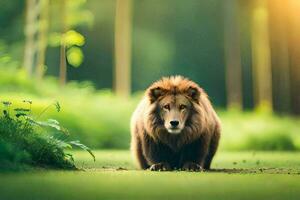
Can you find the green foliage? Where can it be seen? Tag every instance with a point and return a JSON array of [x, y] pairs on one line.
[[73, 41], [78, 14], [82, 146], [72, 37], [259, 131], [75, 56], [26, 142], [99, 119], [6, 59], [96, 118], [269, 142]]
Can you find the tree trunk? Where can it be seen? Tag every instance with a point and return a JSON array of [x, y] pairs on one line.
[[232, 55], [294, 47], [262, 78], [280, 55], [42, 38], [122, 72], [30, 30], [63, 63]]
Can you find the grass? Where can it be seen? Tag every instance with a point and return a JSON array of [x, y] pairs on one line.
[[248, 175]]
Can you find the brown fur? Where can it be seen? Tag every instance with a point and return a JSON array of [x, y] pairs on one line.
[[194, 147]]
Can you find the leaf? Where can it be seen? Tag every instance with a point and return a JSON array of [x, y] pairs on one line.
[[70, 156], [21, 114], [21, 110], [72, 37], [6, 103], [5, 113], [27, 101], [57, 106], [53, 121], [75, 56], [49, 123], [62, 144], [82, 146]]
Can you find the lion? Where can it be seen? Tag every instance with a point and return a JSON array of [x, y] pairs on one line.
[[175, 127]]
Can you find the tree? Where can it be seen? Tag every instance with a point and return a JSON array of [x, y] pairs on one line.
[[232, 55], [36, 28], [71, 15], [63, 62], [42, 38], [30, 32], [294, 50], [262, 79], [280, 55], [122, 70]]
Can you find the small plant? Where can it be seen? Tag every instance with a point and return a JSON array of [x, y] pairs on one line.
[[7, 106], [27, 141]]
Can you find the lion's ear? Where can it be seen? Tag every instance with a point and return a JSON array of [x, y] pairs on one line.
[[194, 93], [155, 93]]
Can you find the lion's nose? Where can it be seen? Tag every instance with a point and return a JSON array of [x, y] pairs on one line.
[[174, 123]]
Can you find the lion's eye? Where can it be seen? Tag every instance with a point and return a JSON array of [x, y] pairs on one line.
[[182, 107], [167, 107]]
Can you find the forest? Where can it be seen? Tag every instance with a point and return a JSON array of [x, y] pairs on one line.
[[73, 71]]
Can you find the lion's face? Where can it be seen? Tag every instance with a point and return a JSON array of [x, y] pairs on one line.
[[174, 111], [174, 101]]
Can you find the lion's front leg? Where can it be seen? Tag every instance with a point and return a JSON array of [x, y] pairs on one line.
[[194, 155], [156, 154]]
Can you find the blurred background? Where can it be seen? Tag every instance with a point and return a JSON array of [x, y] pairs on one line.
[[96, 57]]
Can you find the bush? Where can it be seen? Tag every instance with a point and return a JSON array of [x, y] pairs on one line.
[[25, 143], [259, 131], [270, 141]]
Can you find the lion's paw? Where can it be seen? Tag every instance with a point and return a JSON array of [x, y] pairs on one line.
[[160, 167], [190, 166]]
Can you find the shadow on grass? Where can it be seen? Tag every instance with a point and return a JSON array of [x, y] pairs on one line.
[[256, 171], [221, 171]]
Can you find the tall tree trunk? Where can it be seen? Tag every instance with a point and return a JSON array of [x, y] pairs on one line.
[[294, 47], [122, 72], [262, 78], [280, 55], [30, 30], [42, 38], [63, 62], [232, 55]]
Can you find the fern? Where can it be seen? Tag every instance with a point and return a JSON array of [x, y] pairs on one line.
[[82, 146], [23, 135], [51, 123]]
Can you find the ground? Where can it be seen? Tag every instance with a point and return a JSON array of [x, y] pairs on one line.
[[246, 175]]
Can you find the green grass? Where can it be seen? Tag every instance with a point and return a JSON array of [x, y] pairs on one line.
[[248, 175]]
